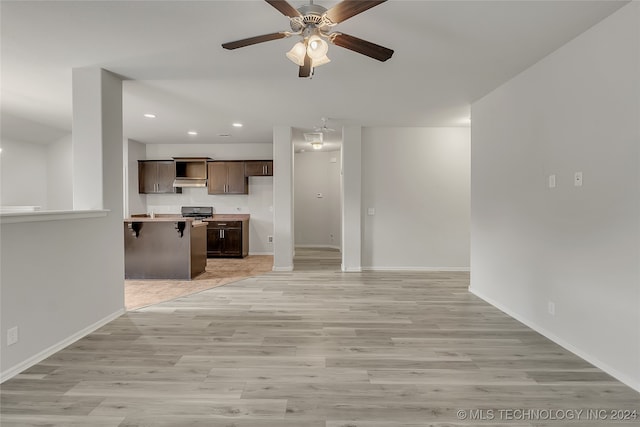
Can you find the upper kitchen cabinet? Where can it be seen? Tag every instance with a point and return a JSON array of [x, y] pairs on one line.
[[156, 177], [227, 177], [258, 168]]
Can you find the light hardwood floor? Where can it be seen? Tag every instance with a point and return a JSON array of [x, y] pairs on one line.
[[315, 349]]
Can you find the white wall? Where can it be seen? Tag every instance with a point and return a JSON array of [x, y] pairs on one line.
[[37, 174], [60, 279], [417, 180], [134, 201], [283, 242], [23, 174], [351, 215], [258, 203], [60, 174], [317, 219], [56, 283], [578, 247]]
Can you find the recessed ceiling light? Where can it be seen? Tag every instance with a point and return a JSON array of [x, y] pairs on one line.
[[150, 115], [192, 133], [237, 125]]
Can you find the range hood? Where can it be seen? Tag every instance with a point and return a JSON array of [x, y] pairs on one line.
[[189, 182], [191, 171]]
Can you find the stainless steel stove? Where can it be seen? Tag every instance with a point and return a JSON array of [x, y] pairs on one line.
[[197, 212]]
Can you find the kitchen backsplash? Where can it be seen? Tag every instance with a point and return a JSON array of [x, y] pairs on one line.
[[258, 203]]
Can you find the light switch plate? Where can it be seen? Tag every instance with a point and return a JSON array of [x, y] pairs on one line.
[[577, 179], [12, 336], [552, 181]]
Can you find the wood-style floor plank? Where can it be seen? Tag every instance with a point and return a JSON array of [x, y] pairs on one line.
[[314, 348]]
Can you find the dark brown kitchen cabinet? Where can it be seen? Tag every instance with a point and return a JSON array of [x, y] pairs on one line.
[[258, 168], [227, 178], [156, 177], [227, 239]]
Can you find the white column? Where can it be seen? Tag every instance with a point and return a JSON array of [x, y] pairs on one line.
[[352, 194], [97, 139], [98, 158], [282, 199]]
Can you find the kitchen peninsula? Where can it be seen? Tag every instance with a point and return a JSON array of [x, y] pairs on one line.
[[170, 247]]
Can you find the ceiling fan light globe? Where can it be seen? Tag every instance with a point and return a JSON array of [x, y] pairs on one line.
[[316, 47], [321, 61], [297, 53], [316, 145]]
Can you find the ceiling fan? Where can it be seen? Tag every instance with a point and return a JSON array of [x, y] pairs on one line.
[[313, 23], [324, 128]]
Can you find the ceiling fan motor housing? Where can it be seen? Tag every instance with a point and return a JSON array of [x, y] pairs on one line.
[[312, 16]]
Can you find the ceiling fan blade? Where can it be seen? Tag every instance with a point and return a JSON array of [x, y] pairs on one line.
[[348, 8], [254, 40], [305, 70], [364, 47], [284, 7]]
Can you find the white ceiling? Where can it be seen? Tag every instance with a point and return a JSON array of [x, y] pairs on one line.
[[447, 55]]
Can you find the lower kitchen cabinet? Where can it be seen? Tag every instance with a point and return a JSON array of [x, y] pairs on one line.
[[227, 239]]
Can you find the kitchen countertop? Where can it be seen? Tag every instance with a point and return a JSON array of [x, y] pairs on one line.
[[228, 217], [158, 219], [195, 222]]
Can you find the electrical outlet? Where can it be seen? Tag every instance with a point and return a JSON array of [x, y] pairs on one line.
[[270, 239], [12, 336], [551, 306]]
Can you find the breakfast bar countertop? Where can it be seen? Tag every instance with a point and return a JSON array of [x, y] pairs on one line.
[[158, 218]]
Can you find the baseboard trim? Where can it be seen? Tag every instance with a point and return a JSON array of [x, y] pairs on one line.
[[319, 247], [281, 269], [452, 269], [351, 269], [39, 357], [260, 253], [561, 342]]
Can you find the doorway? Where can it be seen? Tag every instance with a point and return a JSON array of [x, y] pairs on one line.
[[317, 205]]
